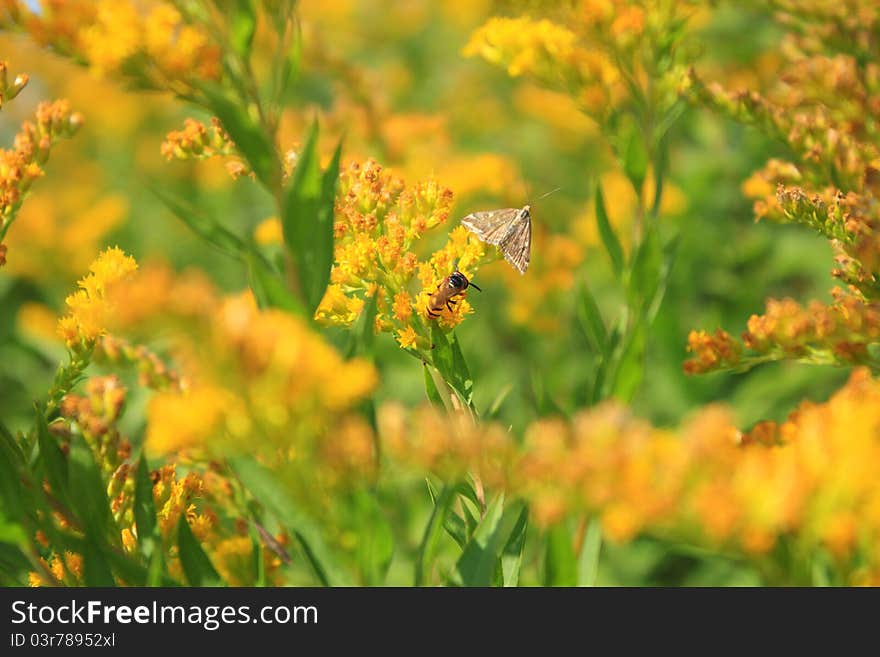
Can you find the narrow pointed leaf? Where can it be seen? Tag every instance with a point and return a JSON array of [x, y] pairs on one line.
[[197, 567], [588, 561], [606, 232], [560, 565], [145, 509], [479, 562], [511, 558], [442, 502]]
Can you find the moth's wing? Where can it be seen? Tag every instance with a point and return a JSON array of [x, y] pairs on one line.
[[517, 244], [491, 226]]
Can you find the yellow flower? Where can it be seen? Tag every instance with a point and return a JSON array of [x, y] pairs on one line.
[[275, 385], [180, 420], [233, 558], [113, 37], [150, 43], [90, 308], [269, 232], [523, 45], [407, 337], [402, 306], [379, 222]]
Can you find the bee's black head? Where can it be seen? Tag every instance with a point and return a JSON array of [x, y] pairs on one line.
[[458, 281]]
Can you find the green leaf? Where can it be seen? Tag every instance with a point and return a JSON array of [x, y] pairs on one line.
[[197, 567], [449, 361], [635, 160], [12, 532], [457, 528], [588, 561], [96, 570], [307, 218], [511, 557], [269, 288], [242, 25], [363, 332], [89, 496], [14, 565], [605, 371], [496, 404], [653, 303], [431, 388], [479, 562], [156, 571], [12, 493], [560, 563], [590, 318], [645, 270], [442, 503], [462, 375], [9, 446], [375, 539], [269, 492], [145, 509], [606, 232], [258, 558], [630, 364], [53, 461], [250, 139], [206, 227], [544, 402], [134, 573], [289, 68]]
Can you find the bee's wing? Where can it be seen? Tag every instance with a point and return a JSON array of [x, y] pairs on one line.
[[517, 244], [491, 226]]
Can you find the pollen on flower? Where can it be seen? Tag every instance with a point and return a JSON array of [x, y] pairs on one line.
[[407, 337], [402, 307]]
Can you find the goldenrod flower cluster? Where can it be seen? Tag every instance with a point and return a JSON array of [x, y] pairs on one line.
[[151, 42], [807, 482], [379, 223], [90, 307], [278, 381], [838, 333], [93, 417], [22, 165], [552, 54], [831, 184], [199, 142], [598, 51]]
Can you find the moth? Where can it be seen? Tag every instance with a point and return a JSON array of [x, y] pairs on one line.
[[449, 288], [508, 229]]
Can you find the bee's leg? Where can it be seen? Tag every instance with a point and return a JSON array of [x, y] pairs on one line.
[[449, 305]]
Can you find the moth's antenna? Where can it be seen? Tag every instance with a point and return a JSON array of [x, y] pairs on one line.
[[548, 193]]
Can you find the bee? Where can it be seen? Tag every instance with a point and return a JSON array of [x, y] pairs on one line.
[[450, 287]]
